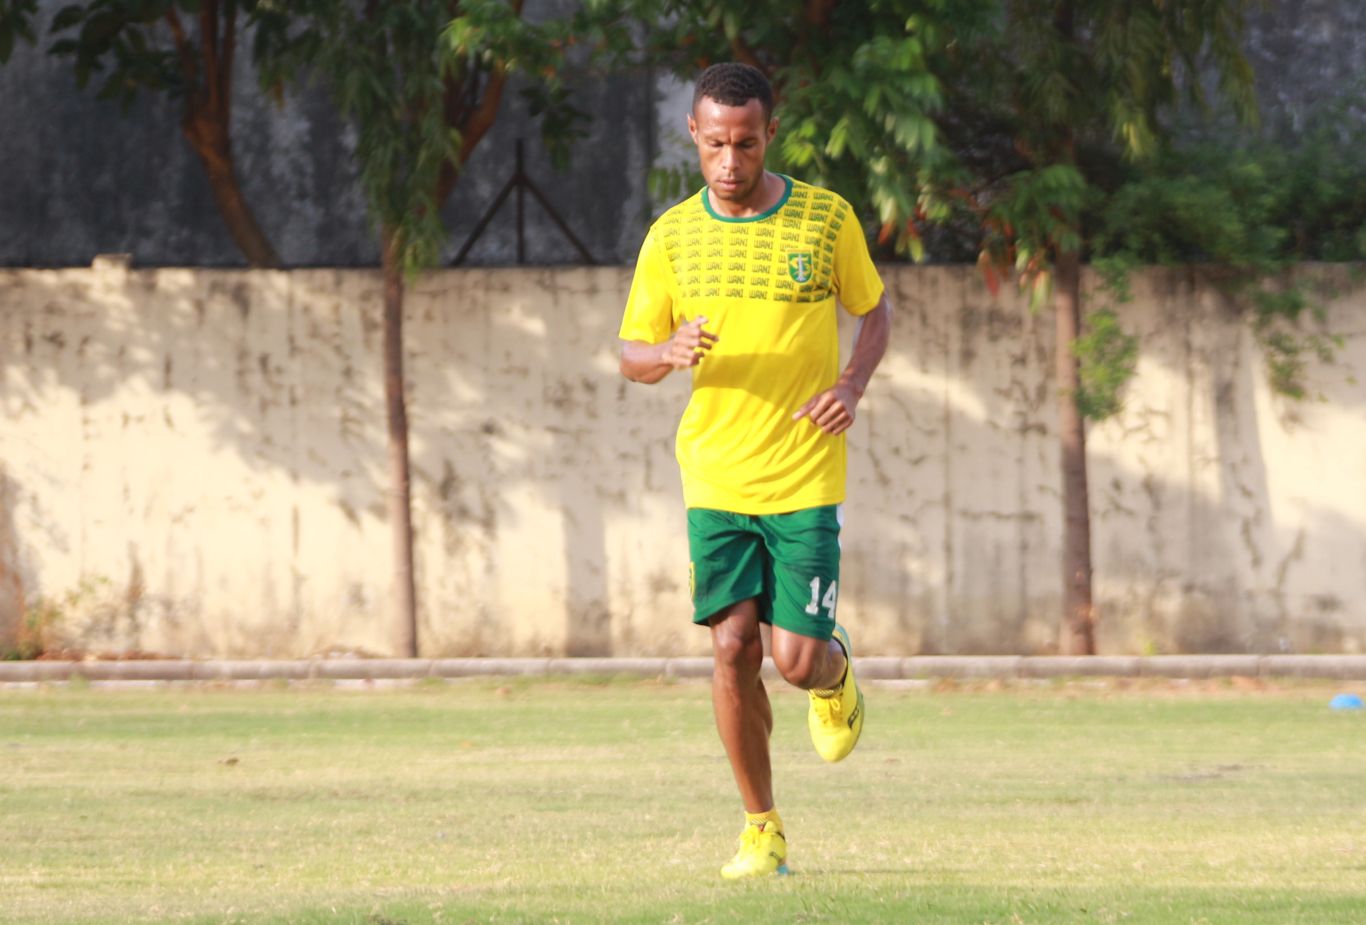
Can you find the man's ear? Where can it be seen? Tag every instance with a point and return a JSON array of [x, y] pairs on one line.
[[692, 128], [772, 128]]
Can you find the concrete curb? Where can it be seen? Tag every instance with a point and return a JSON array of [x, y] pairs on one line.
[[1344, 667]]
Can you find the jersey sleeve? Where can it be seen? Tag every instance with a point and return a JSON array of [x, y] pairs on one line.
[[649, 307], [856, 279]]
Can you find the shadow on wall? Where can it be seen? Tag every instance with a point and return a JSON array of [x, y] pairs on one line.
[[212, 445], [176, 433], [1269, 512], [527, 475], [11, 583], [1200, 544]]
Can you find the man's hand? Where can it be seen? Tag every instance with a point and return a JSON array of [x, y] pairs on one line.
[[832, 410], [689, 344]]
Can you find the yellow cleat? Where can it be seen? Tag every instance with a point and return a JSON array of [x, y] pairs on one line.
[[763, 851], [837, 721]]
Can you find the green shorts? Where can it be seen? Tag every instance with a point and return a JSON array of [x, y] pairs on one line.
[[789, 562]]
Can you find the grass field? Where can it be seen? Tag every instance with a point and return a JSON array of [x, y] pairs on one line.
[[577, 802]]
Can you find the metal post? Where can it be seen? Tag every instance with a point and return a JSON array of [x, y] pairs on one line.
[[523, 185], [521, 208]]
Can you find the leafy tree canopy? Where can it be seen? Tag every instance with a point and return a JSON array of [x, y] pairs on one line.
[[16, 25], [421, 81]]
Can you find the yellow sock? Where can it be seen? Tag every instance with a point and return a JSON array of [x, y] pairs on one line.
[[765, 820]]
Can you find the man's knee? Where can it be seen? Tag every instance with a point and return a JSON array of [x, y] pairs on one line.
[[802, 661], [736, 642], [797, 671]]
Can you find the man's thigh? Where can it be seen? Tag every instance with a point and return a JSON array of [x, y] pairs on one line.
[[802, 583], [729, 562]]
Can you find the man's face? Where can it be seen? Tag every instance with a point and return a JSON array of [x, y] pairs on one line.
[[731, 141]]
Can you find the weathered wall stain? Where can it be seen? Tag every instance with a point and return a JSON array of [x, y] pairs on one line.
[[207, 450]]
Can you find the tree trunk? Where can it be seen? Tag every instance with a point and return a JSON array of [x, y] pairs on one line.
[[400, 503], [210, 141], [1078, 630], [207, 120]]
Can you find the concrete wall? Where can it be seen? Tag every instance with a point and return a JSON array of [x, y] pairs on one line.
[[193, 463]]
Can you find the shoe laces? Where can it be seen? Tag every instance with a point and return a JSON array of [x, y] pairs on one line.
[[753, 835], [828, 709]]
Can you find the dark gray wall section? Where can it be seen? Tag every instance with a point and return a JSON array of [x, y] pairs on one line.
[[81, 178], [78, 178], [1307, 52]]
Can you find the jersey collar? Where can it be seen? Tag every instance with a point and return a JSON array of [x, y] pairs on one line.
[[782, 201]]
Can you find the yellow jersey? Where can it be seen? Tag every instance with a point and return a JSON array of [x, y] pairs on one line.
[[768, 285]]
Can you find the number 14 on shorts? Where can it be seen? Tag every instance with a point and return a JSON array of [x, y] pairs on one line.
[[828, 601]]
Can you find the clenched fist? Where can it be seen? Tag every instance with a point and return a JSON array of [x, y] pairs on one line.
[[689, 344]]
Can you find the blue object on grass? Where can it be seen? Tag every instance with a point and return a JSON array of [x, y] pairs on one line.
[[1345, 702]]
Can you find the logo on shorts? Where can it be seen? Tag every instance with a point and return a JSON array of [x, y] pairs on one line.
[[800, 265], [692, 581]]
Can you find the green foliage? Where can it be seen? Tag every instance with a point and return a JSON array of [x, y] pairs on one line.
[[1319, 176], [1258, 203], [1106, 358], [383, 66], [16, 25], [412, 78], [668, 184], [1000, 120], [137, 46], [1254, 208], [1277, 310], [562, 123], [37, 631], [1024, 226], [492, 32], [1105, 70], [181, 49], [1078, 86], [40, 628], [997, 118], [858, 89]]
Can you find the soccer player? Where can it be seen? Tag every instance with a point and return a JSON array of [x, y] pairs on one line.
[[738, 284]]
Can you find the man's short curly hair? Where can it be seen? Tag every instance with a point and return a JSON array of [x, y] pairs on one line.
[[734, 84]]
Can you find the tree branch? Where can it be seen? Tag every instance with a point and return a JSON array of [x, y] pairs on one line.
[[182, 46], [208, 38], [816, 20], [455, 108], [818, 13], [745, 55], [474, 123], [481, 119], [455, 113], [229, 49]]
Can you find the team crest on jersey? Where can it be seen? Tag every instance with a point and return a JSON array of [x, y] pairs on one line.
[[800, 266]]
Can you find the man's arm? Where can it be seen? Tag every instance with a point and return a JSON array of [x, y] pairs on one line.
[[649, 363], [833, 410]]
